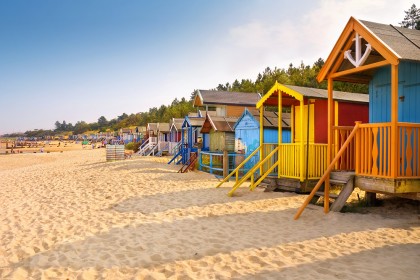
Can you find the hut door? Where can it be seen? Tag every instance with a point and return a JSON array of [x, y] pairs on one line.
[[298, 132]]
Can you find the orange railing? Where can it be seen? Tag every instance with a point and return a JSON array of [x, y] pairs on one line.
[[408, 150], [374, 145], [347, 161], [373, 150]]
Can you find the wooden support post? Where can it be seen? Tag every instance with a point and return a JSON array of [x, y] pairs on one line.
[[330, 141], [370, 198], [302, 143], [261, 136], [225, 163], [394, 120], [280, 127]]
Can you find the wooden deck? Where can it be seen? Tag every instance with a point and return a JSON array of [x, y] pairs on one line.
[[406, 187]]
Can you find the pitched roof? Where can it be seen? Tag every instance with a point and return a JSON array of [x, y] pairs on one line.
[[163, 127], [221, 124], [152, 127], [176, 123], [404, 42], [193, 121], [301, 93], [383, 44], [337, 95], [213, 97], [270, 118]]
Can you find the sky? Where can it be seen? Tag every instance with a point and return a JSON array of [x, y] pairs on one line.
[[78, 60]]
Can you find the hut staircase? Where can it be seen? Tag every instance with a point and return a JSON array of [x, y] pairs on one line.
[[190, 164], [253, 173], [143, 146], [326, 177], [147, 148], [344, 181], [177, 152]]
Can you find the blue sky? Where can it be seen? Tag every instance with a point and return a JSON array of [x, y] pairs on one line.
[[79, 60]]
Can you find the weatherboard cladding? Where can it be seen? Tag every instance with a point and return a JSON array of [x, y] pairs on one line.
[[228, 98], [403, 41]]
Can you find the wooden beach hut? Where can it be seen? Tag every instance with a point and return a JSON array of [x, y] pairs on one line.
[[221, 141], [191, 140], [222, 104], [225, 103], [387, 149], [149, 145], [163, 132], [175, 134], [247, 132], [298, 165], [221, 133]]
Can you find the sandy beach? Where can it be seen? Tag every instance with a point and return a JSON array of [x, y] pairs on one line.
[[72, 215]]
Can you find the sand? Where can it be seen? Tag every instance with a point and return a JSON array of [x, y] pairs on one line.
[[72, 215]]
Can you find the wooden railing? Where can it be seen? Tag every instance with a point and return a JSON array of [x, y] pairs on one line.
[[290, 161], [374, 145], [408, 150], [266, 149], [373, 150], [237, 171], [254, 170], [347, 161]]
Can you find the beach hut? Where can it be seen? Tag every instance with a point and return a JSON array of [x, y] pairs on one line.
[[247, 132], [221, 133], [221, 141], [387, 149], [298, 165], [191, 139], [163, 138], [225, 103], [149, 145], [175, 134]]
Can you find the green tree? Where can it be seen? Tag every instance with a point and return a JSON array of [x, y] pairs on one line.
[[412, 18], [81, 127]]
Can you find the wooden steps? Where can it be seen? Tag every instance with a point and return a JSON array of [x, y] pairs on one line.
[[190, 164], [346, 181]]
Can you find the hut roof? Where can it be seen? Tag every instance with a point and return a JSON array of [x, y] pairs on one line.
[[404, 42], [270, 118], [221, 124], [163, 127], [213, 97], [301, 93], [337, 95], [176, 123], [197, 122], [152, 127], [387, 44]]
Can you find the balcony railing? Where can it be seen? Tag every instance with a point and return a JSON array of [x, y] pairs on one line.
[[290, 161], [374, 145]]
